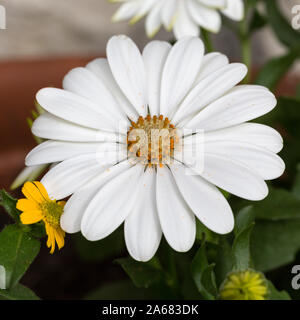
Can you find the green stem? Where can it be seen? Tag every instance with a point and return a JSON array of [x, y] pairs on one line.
[[207, 41], [245, 41]]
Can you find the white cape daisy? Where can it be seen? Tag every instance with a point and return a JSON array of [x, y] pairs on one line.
[[183, 16], [194, 91]]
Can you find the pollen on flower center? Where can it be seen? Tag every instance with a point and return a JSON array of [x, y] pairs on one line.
[[152, 140], [52, 212]]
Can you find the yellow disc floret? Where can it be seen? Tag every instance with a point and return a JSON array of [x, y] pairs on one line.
[[244, 285], [39, 207], [152, 140]]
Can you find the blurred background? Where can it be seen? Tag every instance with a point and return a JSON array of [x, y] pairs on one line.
[[44, 28], [43, 40]]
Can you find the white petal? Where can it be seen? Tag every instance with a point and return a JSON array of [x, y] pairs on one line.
[[176, 219], [214, 3], [142, 228], [241, 104], [253, 133], [86, 84], [204, 16], [48, 126], [127, 66], [144, 8], [154, 55], [211, 62], [179, 73], [168, 13], [56, 151], [112, 204], [233, 177], [71, 107], [205, 200], [75, 207], [209, 89], [267, 164], [234, 10], [101, 69], [184, 26], [153, 20], [70, 175], [126, 11]]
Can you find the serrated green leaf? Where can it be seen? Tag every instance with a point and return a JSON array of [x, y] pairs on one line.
[[18, 292], [273, 71], [274, 243], [203, 275], [274, 294], [281, 27], [17, 251], [9, 204], [143, 274]]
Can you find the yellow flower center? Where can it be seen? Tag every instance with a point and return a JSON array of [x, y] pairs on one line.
[[152, 140], [244, 285], [52, 212]]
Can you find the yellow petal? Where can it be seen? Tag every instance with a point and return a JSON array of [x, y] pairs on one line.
[[31, 192], [30, 217], [42, 190], [26, 205], [51, 238], [59, 236]]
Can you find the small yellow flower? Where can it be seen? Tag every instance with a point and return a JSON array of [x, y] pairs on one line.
[[39, 207], [244, 285]]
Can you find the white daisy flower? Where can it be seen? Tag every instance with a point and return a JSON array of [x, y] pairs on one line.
[[183, 16], [195, 91]]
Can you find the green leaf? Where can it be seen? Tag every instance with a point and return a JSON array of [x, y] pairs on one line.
[[275, 243], [241, 249], [296, 185], [203, 275], [241, 244], [279, 205], [17, 251], [18, 292], [123, 290], [203, 232], [244, 219], [224, 260], [274, 294], [110, 247], [281, 27], [9, 204], [273, 71], [143, 274]]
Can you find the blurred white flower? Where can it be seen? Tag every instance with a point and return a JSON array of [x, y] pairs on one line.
[[164, 87], [183, 16], [28, 174]]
